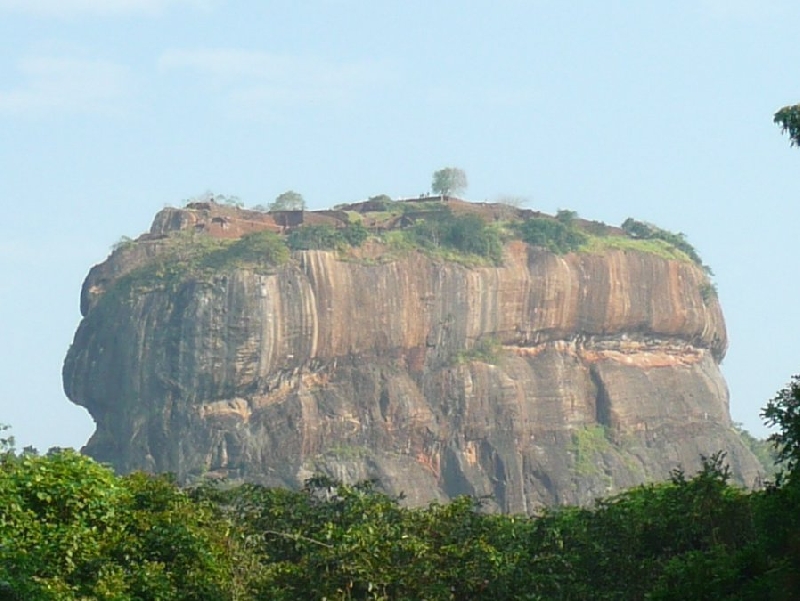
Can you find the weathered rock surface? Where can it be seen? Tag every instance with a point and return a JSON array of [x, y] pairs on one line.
[[596, 372]]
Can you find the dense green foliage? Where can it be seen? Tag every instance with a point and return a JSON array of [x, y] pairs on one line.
[[556, 235], [186, 255], [438, 230], [71, 529], [6, 440], [258, 248], [464, 233], [784, 411], [327, 237], [789, 120], [766, 451]]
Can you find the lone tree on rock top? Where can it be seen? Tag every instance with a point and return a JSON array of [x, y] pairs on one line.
[[288, 201], [450, 180]]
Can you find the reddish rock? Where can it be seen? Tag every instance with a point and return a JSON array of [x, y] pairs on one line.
[[605, 372]]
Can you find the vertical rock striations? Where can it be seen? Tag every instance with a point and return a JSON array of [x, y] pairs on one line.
[[549, 379]]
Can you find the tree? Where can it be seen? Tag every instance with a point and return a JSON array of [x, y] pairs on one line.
[[789, 120], [6, 442], [288, 201], [450, 180], [72, 529], [784, 411], [464, 233]]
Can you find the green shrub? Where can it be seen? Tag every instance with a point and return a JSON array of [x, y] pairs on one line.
[[653, 246], [315, 237], [765, 450], [486, 350], [708, 291], [462, 233], [556, 236], [354, 233], [188, 255], [327, 237], [71, 529], [259, 248], [647, 231], [596, 228], [588, 445], [123, 242], [381, 202], [566, 216]]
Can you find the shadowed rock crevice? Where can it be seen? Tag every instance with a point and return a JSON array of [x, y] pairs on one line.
[[602, 406]]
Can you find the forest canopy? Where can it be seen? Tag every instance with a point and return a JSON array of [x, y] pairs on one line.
[[72, 529]]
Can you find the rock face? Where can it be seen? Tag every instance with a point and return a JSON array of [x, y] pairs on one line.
[[550, 379]]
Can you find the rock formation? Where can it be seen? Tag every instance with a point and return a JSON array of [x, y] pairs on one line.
[[548, 379]]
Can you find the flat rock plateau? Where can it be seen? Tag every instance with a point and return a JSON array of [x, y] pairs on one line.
[[541, 379]]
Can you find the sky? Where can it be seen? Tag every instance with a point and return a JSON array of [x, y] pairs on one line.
[[662, 111]]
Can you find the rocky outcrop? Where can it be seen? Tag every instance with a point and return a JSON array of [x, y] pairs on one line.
[[548, 379]]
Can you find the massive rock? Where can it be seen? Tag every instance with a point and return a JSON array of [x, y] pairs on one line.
[[550, 379]]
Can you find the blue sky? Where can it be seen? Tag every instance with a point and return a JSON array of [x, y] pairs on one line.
[[112, 109]]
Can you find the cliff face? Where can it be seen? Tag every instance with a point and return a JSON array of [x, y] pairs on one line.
[[549, 379]]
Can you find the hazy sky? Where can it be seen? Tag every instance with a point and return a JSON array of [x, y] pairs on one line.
[[111, 109]]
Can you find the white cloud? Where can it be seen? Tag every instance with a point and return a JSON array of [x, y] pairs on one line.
[[68, 8], [257, 82], [54, 84]]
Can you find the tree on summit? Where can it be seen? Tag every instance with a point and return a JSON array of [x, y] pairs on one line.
[[450, 180], [288, 201]]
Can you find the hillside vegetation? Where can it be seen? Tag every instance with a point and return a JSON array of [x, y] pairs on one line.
[[473, 234]]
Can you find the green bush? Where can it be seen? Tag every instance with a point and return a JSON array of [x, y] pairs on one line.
[[486, 350], [186, 255], [566, 216], [71, 529], [327, 237], [588, 445], [647, 231], [467, 234], [708, 291], [315, 237], [355, 234], [258, 248], [382, 202], [554, 235]]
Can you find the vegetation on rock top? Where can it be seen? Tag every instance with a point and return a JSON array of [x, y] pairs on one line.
[[441, 227], [185, 255]]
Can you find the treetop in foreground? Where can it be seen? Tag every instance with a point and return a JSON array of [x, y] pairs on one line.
[[71, 529], [789, 120]]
